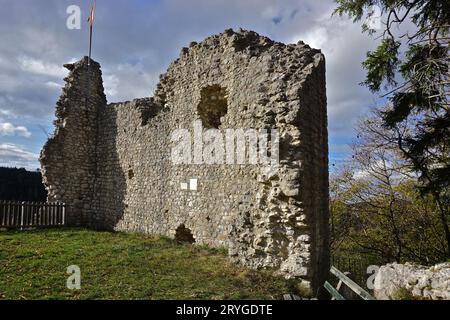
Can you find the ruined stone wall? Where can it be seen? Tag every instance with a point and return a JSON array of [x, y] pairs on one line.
[[68, 159], [265, 216], [134, 159]]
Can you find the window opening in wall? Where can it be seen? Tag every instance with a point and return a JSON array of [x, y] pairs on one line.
[[213, 106]]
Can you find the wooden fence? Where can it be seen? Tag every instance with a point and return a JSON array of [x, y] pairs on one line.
[[22, 215]]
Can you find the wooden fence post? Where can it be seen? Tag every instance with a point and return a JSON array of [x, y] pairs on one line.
[[64, 215], [22, 211]]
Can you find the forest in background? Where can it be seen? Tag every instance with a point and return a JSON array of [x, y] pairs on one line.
[[391, 201], [21, 185], [378, 215]]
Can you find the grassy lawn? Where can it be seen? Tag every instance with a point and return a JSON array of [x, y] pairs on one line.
[[33, 265]]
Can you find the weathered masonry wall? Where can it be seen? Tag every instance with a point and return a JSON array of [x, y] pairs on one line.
[[112, 163], [68, 160]]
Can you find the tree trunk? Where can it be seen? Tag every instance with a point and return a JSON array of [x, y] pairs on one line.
[[443, 216]]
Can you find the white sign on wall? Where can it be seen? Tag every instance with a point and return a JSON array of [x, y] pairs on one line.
[[192, 185]]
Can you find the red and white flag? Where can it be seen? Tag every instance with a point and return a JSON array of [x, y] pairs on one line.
[[91, 14]]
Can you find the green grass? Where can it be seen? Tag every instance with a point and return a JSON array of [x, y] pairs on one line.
[[402, 294], [33, 265]]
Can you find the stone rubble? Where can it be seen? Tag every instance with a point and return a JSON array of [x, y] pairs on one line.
[[421, 282]]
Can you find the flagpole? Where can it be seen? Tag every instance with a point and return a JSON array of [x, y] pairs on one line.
[[90, 45], [91, 22], [91, 26]]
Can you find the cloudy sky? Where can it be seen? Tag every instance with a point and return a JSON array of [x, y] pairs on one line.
[[135, 41]]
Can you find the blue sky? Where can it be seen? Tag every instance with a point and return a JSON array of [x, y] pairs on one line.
[[136, 40]]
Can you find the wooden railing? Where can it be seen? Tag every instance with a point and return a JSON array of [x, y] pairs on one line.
[[356, 266], [344, 280], [22, 215]]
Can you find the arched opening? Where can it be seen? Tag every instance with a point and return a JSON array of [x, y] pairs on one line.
[[184, 234], [213, 106]]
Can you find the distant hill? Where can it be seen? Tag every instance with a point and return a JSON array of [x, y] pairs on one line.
[[21, 185]]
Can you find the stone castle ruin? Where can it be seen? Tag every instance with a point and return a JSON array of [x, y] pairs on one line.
[[112, 163]]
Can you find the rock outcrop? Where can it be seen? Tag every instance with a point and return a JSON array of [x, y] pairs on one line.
[[408, 281]]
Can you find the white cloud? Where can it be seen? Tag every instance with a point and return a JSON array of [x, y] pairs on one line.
[[8, 129], [40, 67], [5, 113], [53, 85], [270, 12], [126, 82], [345, 48], [110, 83], [34, 101], [315, 38], [12, 155]]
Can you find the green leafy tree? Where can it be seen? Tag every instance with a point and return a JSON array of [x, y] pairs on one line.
[[376, 210], [411, 69]]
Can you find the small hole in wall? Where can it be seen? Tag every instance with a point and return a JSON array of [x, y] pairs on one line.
[[130, 174], [213, 106], [184, 234], [208, 219]]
